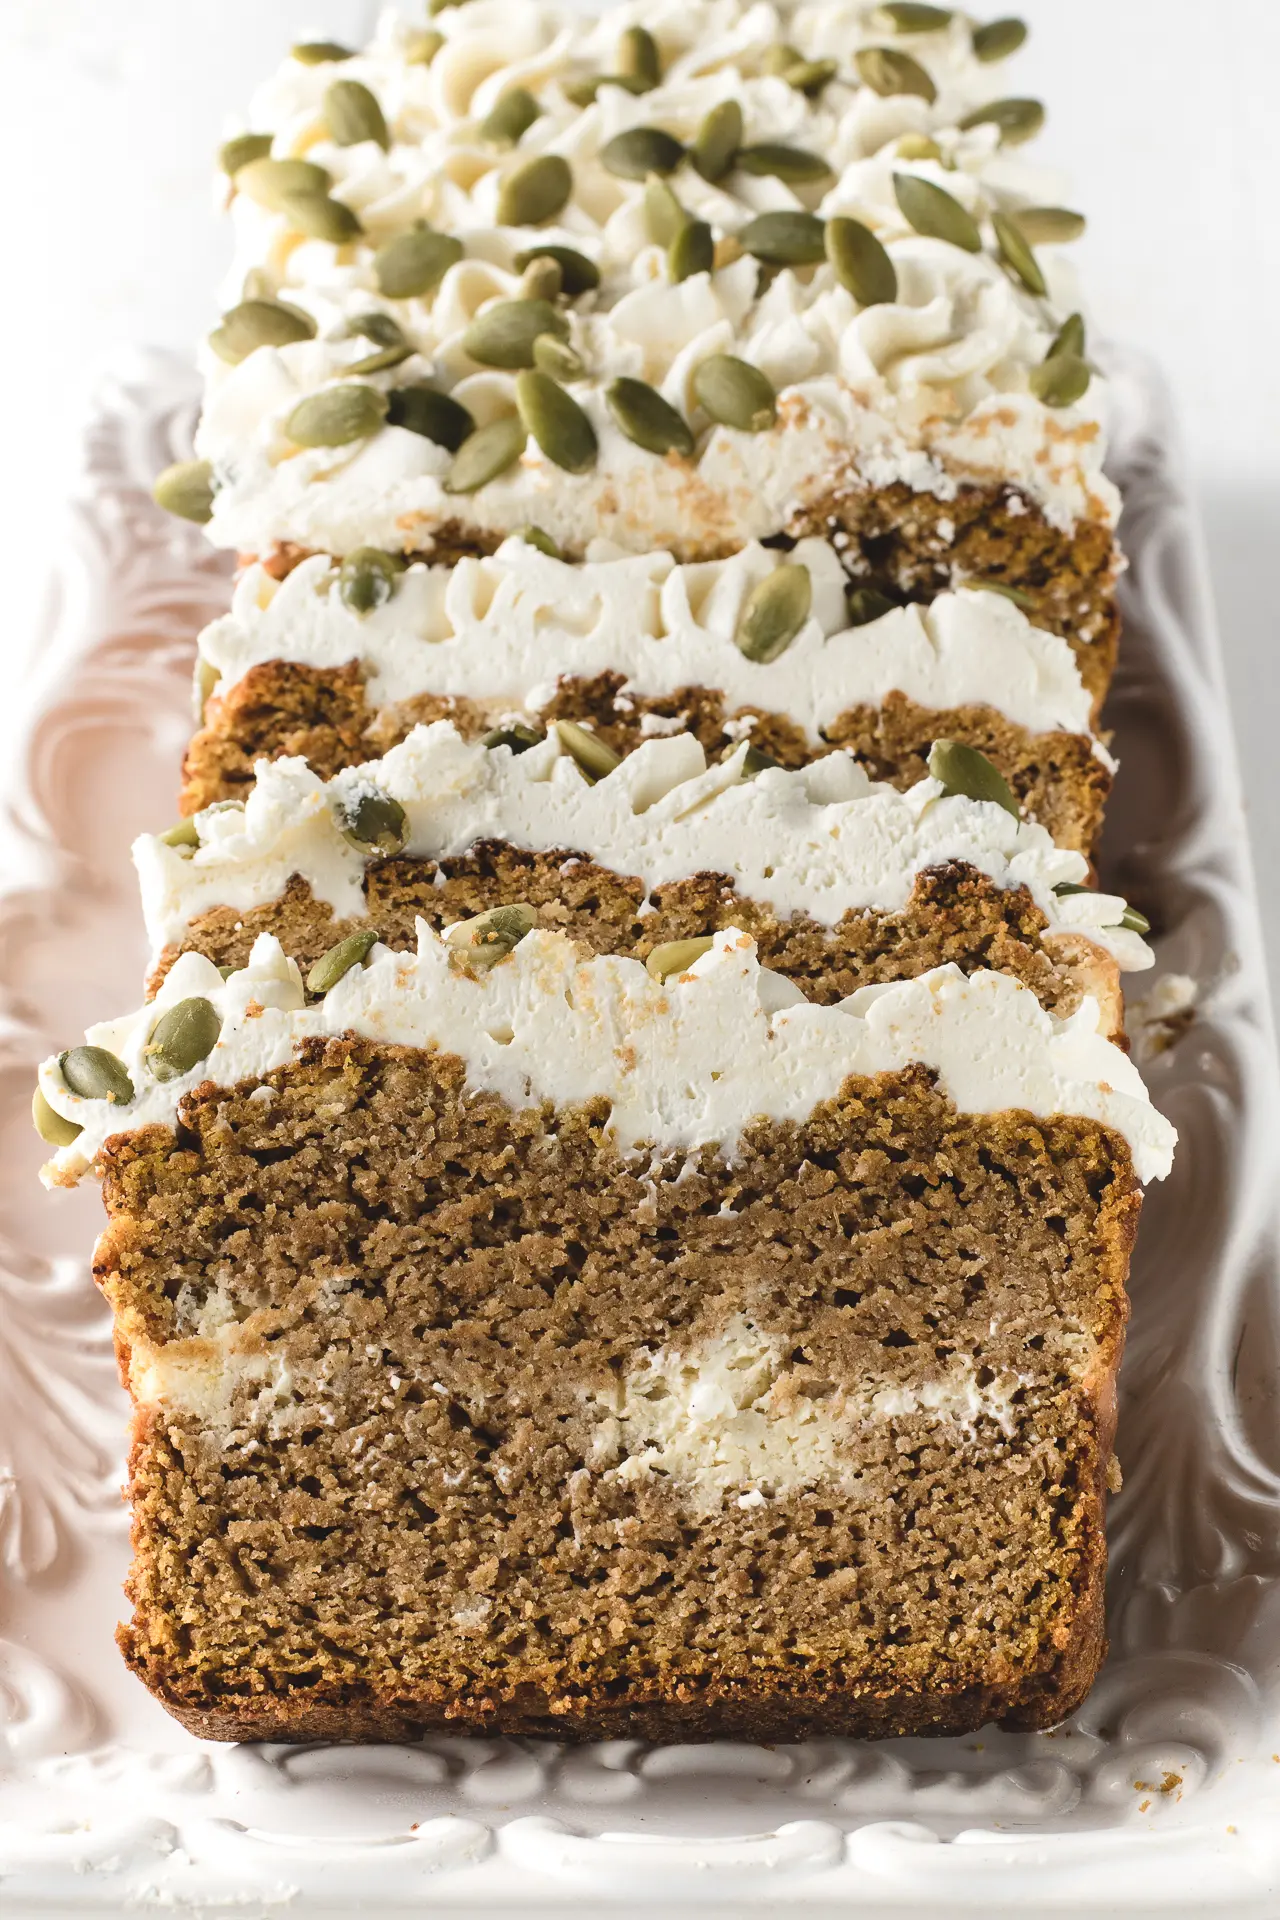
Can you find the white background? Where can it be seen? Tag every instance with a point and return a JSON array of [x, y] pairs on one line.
[[1163, 111]]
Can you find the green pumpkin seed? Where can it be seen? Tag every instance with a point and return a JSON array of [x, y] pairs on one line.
[[889, 72], [538, 537], [963, 770], [486, 453], [663, 214], [368, 577], [186, 488], [867, 604], [810, 76], [557, 358], [774, 612], [238, 152], [577, 273], [267, 181], [556, 421], [1061, 380], [1048, 226], [491, 936], [1017, 255], [183, 834], [754, 762], [1069, 338], [735, 394], [318, 53], [861, 263], [917, 146], [336, 416], [692, 251], [517, 736], [320, 217], [998, 39], [510, 118], [640, 151], [96, 1074], [647, 419], [337, 963], [413, 263], [1065, 887], [676, 956], [181, 1038], [423, 409], [541, 280], [637, 58], [717, 140], [375, 823], [421, 48], [534, 191], [770, 160], [204, 684], [904, 16], [1017, 120], [503, 335], [1005, 591], [1133, 921], [776, 59], [592, 755], [259, 323], [785, 239], [352, 115], [50, 1125], [388, 337], [932, 211]]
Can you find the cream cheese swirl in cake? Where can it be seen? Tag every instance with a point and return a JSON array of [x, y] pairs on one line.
[[683, 1064], [929, 388], [500, 630], [823, 841]]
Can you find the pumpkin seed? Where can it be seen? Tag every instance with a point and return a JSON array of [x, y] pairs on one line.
[[534, 191], [337, 963], [517, 736], [318, 53], [596, 759], [754, 762], [421, 48], [320, 217], [717, 140], [932, 211], [182, 834], [692, 251], [904, 16], [388, 337], [267, 181], [96, 1074], [663, 214], [538, 537], [368, 577], [1017, 120], [577, 273], [640, 151], [1065, 887], [774, 612], [735, 394], [186, 488], [1133, 921], [556, 421], [413, 263], [917, 146], [1017, 255], [503, 335], [861, 263], [676, 956], [1061, 380], [375, 823], [558, 358], [182, 1037], [491, 936], [785, 239], [776, 59], [1048, 226], [50, 1125], [637, 58], [486, 453], [867, 604], [352, 115], [810, 76], [259, 323], [541, 280], [336, 416], [204, 684], [769, 159], [998, 39], [510, 118], [238, 152], [963, 770], [888, 72], [1069, 338], [647, 419], [423, 409], [1006, 592]]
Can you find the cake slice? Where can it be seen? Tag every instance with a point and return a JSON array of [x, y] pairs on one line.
[[791, 273], [840, 881], [534, 1347], [762, 646]]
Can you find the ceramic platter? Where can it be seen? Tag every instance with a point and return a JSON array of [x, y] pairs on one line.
[[1161, 1796]]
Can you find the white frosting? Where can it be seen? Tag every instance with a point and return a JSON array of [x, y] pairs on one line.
[[502, 629], [821, 841], [928, 390], [682, 1064]]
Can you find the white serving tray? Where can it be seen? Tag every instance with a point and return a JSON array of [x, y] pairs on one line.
[[1162, 1795]]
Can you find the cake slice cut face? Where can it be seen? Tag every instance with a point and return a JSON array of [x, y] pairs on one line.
[[540, 1348], [761, 646]]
